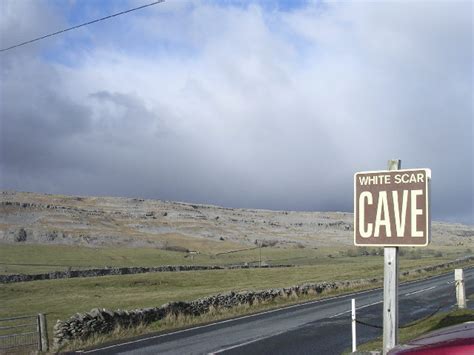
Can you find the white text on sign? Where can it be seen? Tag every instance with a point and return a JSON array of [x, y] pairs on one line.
[[391, 208], [387, 179], [382, 217]]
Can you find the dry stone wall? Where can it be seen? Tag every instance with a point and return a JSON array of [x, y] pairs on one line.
[[101, 321], [109, 271], [439, 266]]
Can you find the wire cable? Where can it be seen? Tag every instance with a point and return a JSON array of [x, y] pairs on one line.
[[368, 324], [411, 324], [81, 25]]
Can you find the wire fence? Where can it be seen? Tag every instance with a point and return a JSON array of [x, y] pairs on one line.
[[20, 333]]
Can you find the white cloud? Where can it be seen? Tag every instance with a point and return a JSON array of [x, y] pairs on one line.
[[246, 106]]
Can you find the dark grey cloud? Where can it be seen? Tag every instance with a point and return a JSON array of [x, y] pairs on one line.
[[247, 107]]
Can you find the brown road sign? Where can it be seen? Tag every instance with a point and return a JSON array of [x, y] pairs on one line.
[[392, 208]]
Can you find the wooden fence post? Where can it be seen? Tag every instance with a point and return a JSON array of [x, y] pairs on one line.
[[43, 333]]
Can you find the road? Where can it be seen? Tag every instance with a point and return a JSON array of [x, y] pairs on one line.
[[316, 327]]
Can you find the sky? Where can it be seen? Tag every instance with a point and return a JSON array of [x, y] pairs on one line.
[[255, 104]]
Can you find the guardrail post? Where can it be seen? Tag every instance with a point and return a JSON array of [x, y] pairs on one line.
[[42, 333], [460, 290]]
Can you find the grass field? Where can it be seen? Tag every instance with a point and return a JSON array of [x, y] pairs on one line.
[[29, 258], [60, 299]]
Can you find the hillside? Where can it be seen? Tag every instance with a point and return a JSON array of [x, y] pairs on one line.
[[113, 221]]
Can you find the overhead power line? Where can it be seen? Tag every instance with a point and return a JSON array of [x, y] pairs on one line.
[[81, 25]]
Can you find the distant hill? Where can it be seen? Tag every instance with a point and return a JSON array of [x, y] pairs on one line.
[[113, 221]]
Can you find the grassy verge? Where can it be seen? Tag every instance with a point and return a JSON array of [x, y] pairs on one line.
[[438, 321], [173, 323]]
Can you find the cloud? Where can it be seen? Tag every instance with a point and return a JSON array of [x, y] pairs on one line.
[[24, 20], [245, 106]]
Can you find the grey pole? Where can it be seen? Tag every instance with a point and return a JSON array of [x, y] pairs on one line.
[[390, 287]]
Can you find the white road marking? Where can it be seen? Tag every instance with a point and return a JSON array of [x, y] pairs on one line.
[[227, 321], [251, 315], [372, 304], [246, 343], [419, 291], [357, 308]]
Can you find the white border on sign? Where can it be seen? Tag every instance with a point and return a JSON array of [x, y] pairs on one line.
[[427, 208]]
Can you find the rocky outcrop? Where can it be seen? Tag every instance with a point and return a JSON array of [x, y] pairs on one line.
[[109, 271], [21, 236], [114, 221]]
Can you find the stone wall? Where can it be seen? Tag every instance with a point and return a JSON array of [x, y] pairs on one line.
[[439, 266], [101, 321], [108, 271]]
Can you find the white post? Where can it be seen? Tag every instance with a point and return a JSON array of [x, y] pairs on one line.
[[354, 334], [390, 288], [460, 291]]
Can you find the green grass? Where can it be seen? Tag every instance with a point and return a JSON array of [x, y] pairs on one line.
[[27, 258], [438, 321], [60, 299], [30, 258], [45, 258]]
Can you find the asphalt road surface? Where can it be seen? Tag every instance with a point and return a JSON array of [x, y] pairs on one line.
[[317, 327]]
